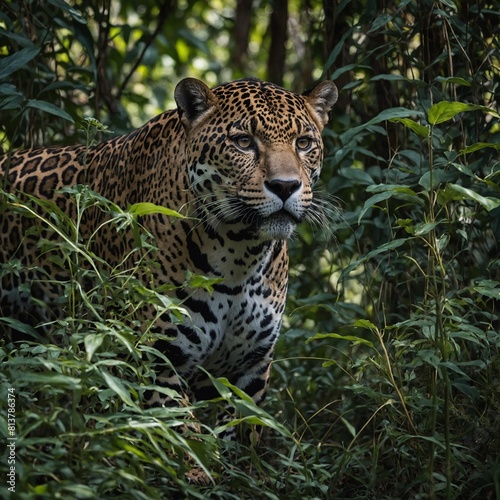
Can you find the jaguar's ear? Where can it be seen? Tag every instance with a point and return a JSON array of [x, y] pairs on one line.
[[321, 99], [194, 101]]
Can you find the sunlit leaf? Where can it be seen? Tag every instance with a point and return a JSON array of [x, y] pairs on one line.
[[446, 110], [424, 228], [420, 130], [92, 343], [147, 208], [366, 324], [349, 338]]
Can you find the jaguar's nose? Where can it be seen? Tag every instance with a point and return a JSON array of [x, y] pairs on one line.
[[283, 188]]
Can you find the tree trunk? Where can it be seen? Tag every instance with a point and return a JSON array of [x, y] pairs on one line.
[[241, 35], [278, 30]]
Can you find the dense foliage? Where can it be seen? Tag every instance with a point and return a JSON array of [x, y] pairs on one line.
[[386, 382]]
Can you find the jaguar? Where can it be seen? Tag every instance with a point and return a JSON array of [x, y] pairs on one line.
[[239, 162]]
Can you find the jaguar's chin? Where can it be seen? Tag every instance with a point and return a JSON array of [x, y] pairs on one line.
[[278, 226], [249, 222]]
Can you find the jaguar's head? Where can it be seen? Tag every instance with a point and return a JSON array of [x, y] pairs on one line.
[[254, 152]]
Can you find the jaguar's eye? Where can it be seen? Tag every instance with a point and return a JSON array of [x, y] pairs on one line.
[[303, 143], [243, 142]]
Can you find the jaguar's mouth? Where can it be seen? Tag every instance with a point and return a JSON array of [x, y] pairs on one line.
[[281, 217], [279, 225], [285, 215]]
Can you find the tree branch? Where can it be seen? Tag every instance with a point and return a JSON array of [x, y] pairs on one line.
[[165, 9]]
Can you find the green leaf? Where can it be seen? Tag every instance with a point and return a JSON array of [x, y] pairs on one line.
[[349, 426], [16, 61], [20, 327], [479, 145], [343, 69], [437, 177], [446, 110], [351, 338], [457, 192], [453, 79], [338, 48], [387, 114], [407, 224], [20, 39], [380, 21], [386, 247], [53, 380], [372, 201], [467, 389], [450, 4], [386, 191], [48, 107], [357, 175], [7, 89], [84, 36], [146, 208], [366, 324], [488, 288], [389, 77], [420, 130], [463, 169], [198, 281], [61, 4], [92, 343], [116, 386]]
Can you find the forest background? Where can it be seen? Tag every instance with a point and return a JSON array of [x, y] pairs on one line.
[[386, 380]]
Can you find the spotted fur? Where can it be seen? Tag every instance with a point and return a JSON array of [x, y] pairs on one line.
[[240, 160]]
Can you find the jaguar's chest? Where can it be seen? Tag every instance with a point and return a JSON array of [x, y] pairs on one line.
[[231, 322], [237, 322]]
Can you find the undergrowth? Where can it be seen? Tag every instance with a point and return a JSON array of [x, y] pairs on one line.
[[81, 427]]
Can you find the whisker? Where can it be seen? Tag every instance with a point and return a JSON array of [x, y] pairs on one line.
[[325, 214]]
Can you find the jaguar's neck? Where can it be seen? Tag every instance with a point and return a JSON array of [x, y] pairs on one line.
[[233, 253]]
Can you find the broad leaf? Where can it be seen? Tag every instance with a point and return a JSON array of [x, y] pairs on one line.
[[454, 79], [386, 114], [401, 192], [456, 192], [16, 61], [420, 130], [386, 247], [48, 107], [446, 110], [479, 145]]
